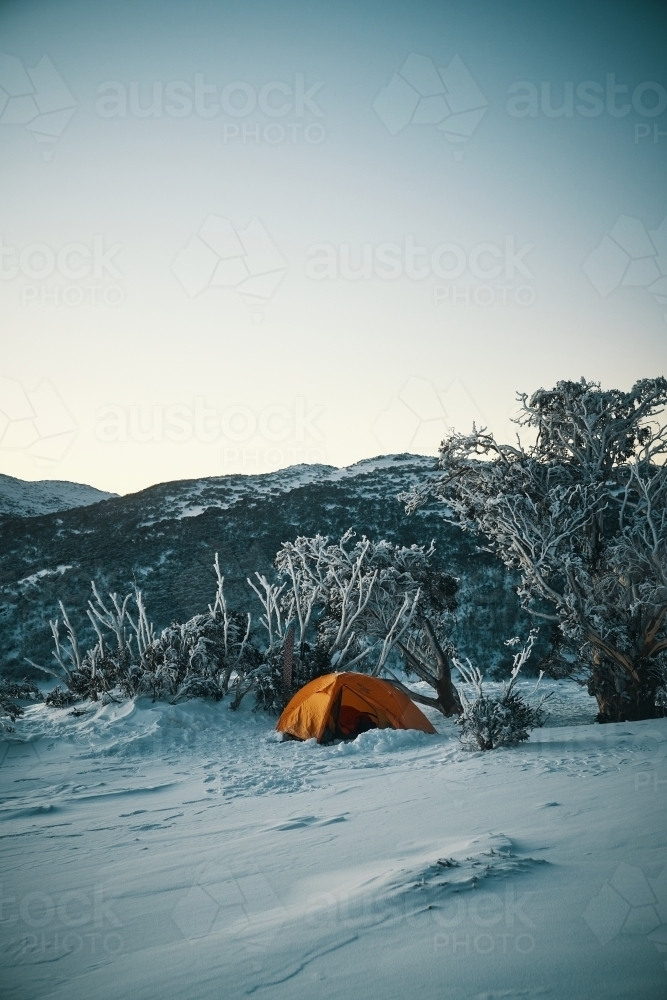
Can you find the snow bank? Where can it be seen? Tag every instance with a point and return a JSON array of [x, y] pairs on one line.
[[184, 850]]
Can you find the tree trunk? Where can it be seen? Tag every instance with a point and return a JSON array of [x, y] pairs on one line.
[[447, 694], [623, 699], [447, 699], [443, 703]]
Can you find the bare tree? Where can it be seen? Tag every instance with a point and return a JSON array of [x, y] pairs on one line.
[[581, 513], [356, 603], [366, 594]]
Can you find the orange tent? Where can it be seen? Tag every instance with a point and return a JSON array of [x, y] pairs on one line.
[[339, 705]]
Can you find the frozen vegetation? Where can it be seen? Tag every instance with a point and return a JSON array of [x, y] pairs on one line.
[[245, 519], [158, 832]]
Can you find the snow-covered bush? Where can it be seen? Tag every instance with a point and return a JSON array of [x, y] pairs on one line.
[[200, 658], [10, 693], [206, 656], [489, 722], [105, 667]]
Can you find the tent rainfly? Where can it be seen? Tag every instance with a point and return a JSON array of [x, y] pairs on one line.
[[336, 706]]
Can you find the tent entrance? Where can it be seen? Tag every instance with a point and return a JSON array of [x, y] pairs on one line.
[[352, 721], [351, 714]]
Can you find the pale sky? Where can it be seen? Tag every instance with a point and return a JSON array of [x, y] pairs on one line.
[[240, 236]]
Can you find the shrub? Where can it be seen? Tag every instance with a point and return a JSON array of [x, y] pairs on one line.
[[10, 693], [487, 722]]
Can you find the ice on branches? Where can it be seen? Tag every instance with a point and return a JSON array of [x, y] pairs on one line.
[[206, 656], [352, 603], [581, 514], [488, 722]]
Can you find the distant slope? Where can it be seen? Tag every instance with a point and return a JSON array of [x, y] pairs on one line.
[[165, 538], [22, 498]]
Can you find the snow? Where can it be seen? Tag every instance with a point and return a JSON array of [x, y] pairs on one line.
[[22, 498], [34, 578], [193, 497], [174, 851], [193, 511]]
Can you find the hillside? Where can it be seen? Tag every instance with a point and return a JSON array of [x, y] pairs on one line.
[[23, 498], [165, 539]]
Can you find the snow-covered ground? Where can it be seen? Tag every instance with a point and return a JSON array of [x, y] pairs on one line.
[[158, 851], [22, 498]]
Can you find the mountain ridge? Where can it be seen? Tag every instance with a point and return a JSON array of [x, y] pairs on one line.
[[164, 539], [32, 498]]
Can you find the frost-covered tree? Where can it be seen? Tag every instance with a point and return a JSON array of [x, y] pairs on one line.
[[350, 602], [581, 514], [109, 664], [354, 603], [208, 656]]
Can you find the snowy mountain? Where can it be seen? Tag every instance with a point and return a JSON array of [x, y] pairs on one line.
[[21, 498], [165, 538]]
